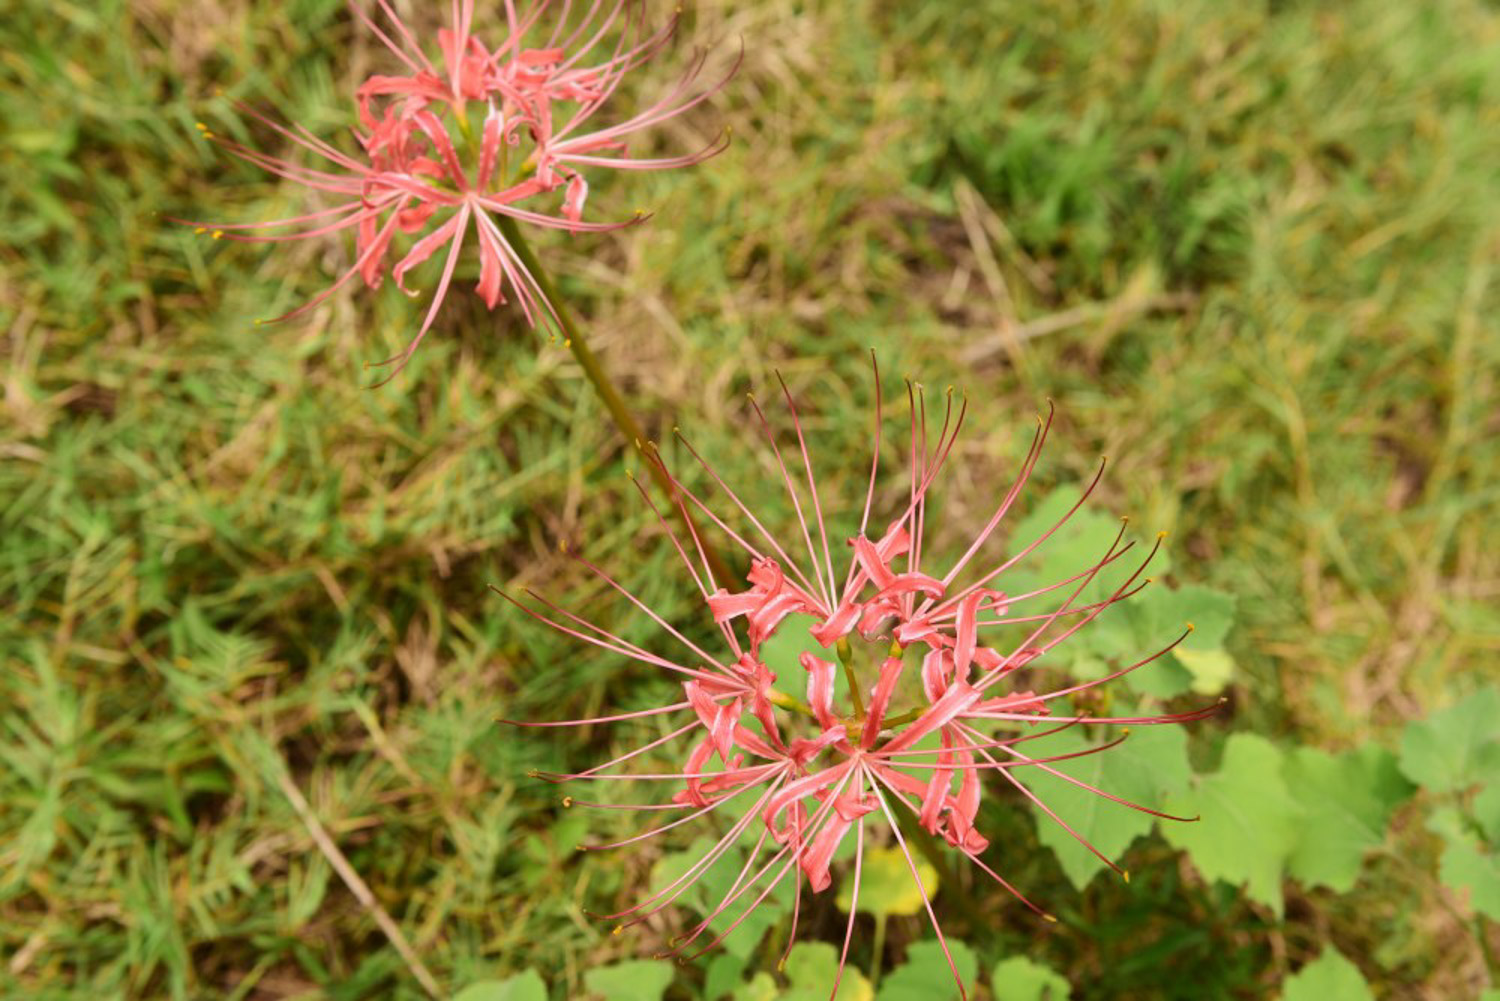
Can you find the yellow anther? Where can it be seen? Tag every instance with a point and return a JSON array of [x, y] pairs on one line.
[[1161, 535], [618, 930], [1125, 518], [1126, 874], [1049, 917], [567, 342], [1125, 731], [218, 234], [201, 127], [200, 230], [567, 802], [1191, 627]]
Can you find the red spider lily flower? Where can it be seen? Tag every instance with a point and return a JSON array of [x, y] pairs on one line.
[[936, 708], [492, 134]]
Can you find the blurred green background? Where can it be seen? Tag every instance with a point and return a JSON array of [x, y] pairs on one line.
[[1248, 249]]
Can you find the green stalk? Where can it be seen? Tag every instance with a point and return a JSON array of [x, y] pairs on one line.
[[613, 402], [846, 657], [880, 920]]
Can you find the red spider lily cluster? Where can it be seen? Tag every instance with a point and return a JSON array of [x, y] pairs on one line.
[[483, 139], [803, 775]]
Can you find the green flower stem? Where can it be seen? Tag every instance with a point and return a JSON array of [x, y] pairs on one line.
[[790, 703], [846, 657], [613, 401]]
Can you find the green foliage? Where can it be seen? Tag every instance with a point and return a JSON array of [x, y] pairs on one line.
[[1021, 979], [1347, 801], [926, 974], [762, 987], [1249, 825], [1330, 977], [810, 969], [1140, 625], [1150, 766], [722, 976], [1456, 747], [886, 885], [527, 986], [1468, 864], [635, 980]]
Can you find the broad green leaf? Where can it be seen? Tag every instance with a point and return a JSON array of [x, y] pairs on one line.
[[723, 976], [926, 975], [1020, 979], [1487, 812], [527, 986], [1210, 669], [1201, 653], [1147, 622], [1456, 747], [885, 883], [762, 987], [1150, 765], [635, 980], [1466, 864], [1250, 823], [1348, 800], [673, 865], [1163, 678], [1330, 977], [811, 968], [1210, 612], [1075, 546]]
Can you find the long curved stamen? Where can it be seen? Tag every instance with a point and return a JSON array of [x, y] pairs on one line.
[[916, 876]]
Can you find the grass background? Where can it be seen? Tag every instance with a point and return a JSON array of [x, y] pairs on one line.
[[1249, 249]]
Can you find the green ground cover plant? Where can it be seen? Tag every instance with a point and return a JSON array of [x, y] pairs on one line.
[[1248, 250]]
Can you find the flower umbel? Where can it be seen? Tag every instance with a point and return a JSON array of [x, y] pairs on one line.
[[480, 141], [920, 678]]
